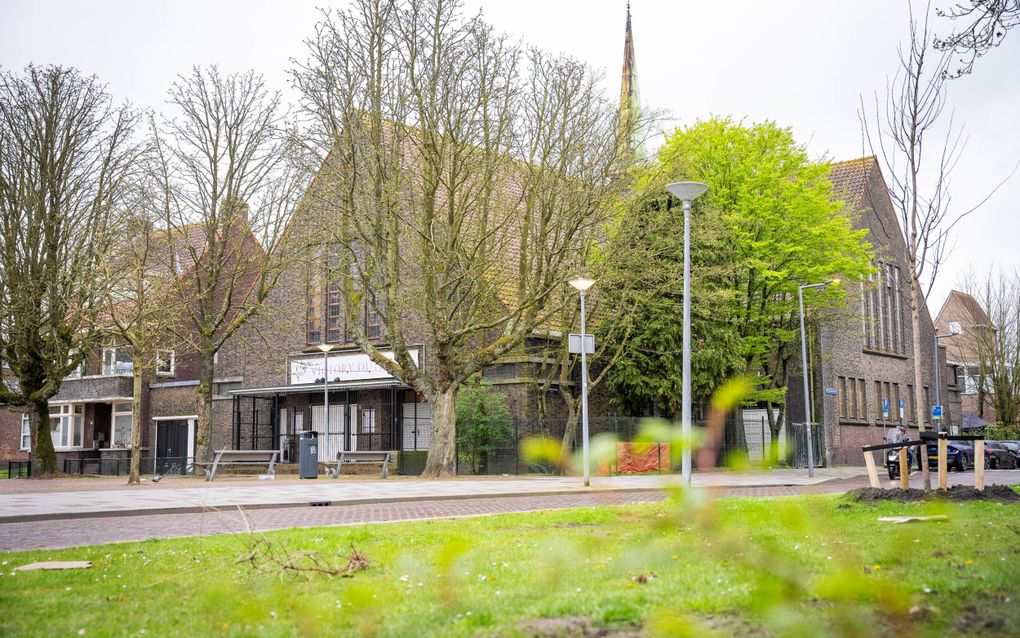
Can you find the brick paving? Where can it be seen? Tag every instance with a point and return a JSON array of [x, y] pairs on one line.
[[51, 534]]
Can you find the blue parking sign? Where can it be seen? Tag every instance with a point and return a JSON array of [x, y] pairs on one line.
[[885, 408], [936, 411]]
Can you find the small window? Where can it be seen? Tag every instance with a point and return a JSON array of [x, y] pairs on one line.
[[117, 360], [26, 433], [955, 328], [368, 421], [165, 363], [223, 388], [500, 372]]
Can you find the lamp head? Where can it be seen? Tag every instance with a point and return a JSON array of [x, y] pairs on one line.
[[832, 282], [582, 283], [325, 347], [687, 191]]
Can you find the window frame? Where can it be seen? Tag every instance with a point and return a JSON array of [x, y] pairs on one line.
[[70, 421], [109, 364], [368, 421], [173, 363], [116, 410], [26, 431]]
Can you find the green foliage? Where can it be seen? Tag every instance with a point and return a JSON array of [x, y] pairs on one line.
[[483, 422], [1002, 432], [769, 223]]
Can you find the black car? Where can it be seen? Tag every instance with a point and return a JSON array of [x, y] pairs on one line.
[[1014, 447], [959, 455], [999, 457]]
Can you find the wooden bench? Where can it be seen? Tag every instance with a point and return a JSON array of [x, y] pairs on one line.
[[225, 458], [363, 457]]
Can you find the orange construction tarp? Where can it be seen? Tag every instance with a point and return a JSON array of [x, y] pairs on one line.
[[637, 458]]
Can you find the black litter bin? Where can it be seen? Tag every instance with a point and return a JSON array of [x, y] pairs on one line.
[[308, 457]]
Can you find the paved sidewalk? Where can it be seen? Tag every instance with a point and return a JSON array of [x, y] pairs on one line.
[[155, 499], [65, 532]]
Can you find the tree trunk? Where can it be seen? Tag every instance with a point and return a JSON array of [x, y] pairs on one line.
[[45, 455], [441, 460], [570, 428], [203, 440], [775, 429], [136, 419], [919, 407]]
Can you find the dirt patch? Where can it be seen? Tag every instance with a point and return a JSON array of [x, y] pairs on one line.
[[957, 493], [574, 627]]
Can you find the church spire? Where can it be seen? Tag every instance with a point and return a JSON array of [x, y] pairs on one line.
[[628, 132]]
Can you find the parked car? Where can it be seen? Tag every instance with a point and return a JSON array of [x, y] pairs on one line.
[[1014, 447], [999, 457], [959, 455]]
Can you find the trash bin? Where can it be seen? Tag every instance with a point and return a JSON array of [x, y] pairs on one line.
[[308, 456]]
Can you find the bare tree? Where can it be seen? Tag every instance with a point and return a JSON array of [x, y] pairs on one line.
[[65, 154], [904, 134], [141, 307], [985, 23], [461, 175], [996, 344], [228, 185], [915, 99]]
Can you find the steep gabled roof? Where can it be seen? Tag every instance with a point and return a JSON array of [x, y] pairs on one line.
[[850, 178], [978, 315]]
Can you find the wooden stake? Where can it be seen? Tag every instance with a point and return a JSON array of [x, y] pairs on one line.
[[869, 460], [904, 469], [979, 465], [943, 456]]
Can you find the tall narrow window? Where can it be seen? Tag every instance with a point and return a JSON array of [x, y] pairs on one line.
[[313, 312], [878, 401], [862, 400], [373, 321], [26, 432], [899, 310], [334, 315]]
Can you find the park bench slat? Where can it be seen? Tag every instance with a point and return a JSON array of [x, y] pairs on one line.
[[240, 457], [363, 457]]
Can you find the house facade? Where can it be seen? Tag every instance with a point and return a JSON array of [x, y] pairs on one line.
[[965, 326], [862, 375]]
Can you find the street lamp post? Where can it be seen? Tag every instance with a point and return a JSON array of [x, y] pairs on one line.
[[686, 192], [804, 373], [582, 285], [325, 348]]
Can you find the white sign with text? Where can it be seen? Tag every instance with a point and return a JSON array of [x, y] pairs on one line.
[[343, 367]]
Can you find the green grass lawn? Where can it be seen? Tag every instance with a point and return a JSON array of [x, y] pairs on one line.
[[811, 566]]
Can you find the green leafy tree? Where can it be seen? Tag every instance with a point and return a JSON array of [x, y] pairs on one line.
[[768, 223], [483, 422]]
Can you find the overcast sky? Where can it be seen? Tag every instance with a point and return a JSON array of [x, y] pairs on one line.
[[802, 63]]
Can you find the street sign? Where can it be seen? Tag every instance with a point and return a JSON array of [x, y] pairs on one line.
[[574, 343], [936, 411], [885, 408], [831, 391], [902, 405]]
